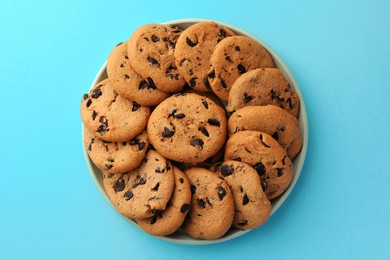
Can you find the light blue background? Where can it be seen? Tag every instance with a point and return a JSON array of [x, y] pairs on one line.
[[339, 53]]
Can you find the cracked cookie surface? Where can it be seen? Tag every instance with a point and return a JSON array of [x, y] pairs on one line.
[[111, 117], [266, 156], [143, 192], [187, 128], [151, 48]]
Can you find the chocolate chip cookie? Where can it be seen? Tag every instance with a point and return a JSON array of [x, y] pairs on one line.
[[273, 120], [128, 83], [168, 221], [151, 48], [193, 50], [116, 157], [187, 128], [266, 156], [252, 207], [212, 206], [262, 87], [232, 57], [143, 192], [111, 117]]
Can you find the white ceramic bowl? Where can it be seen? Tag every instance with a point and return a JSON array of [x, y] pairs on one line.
[[180, 237]]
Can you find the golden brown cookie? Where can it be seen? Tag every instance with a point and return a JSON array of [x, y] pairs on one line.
[[151, 48], [114, 157], [142, 192], [273, 120], [262, 87], [265, 155], [193, 50], [187, 128], [128, 83], [252, 207], [111, 117], [232, 57], [212, 206], [168, 221]]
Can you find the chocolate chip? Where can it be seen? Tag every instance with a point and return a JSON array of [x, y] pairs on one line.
[[247, 98], [173, 112], [155, 188], [201, 203], [280, 171], [108, 166], [89, 102], [217, 166], [262, 141], [208, 201], [226, 170], [167, 166], [206, 105], [237, 48], [213, 121], [206, 83], [172, 44], [193, 189], [96, 93], [141, 145], [157, 213], [159, 170], [211, 74], [184, 208], [94, 114], [203, 131], [128, 195], [179, 116], [153, 62], [143, 84], [221, 193], [127, 77], [181, 180], [153, 220], [140, 181], [275, 135], [191, 43], [85, 96], [155, 38], [241, 69], [242, 223], [136, 106], [167, 132], [223, 83], [134, 141], [222, 32], [151, 84], [245, 199], [284, 160], [273, 93], [238, 159], [119, 185], [197, 142], [193, 82], [259, 167]]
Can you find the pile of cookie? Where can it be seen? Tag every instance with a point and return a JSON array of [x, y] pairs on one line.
[[192, 129]]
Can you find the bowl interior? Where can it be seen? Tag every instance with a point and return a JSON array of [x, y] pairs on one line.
[[180, 237]]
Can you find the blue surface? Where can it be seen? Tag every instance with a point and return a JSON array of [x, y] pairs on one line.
[[339, 54]]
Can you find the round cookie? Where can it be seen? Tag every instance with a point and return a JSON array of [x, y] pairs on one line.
[[116, 157], [168, 221], [127, 83], [193, 51], [273, 120], [151, 48], [262, 87], [143, 192], [111, 117], [266, 156], [252, 207], [212, 206], [232, 57], [187, 128]]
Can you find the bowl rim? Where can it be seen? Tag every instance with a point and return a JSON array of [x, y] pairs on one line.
[[303, 125]]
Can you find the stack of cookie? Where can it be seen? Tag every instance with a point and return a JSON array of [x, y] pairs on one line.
[[192, 129]]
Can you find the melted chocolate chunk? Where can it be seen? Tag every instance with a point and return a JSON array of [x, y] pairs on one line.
[[241, 69], [151, 84], [179, 116], [222, 32], [221, 193], [167, 132], [213, 121], [259, 167], [245, 199], [191, 43], [140, 181], [155, 38], [204, 131], [226, 170], [153, 62], [96, 93], [128, 195], [197, 142], [119, 185], [136, 106], [184, 208], [155, 188]]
